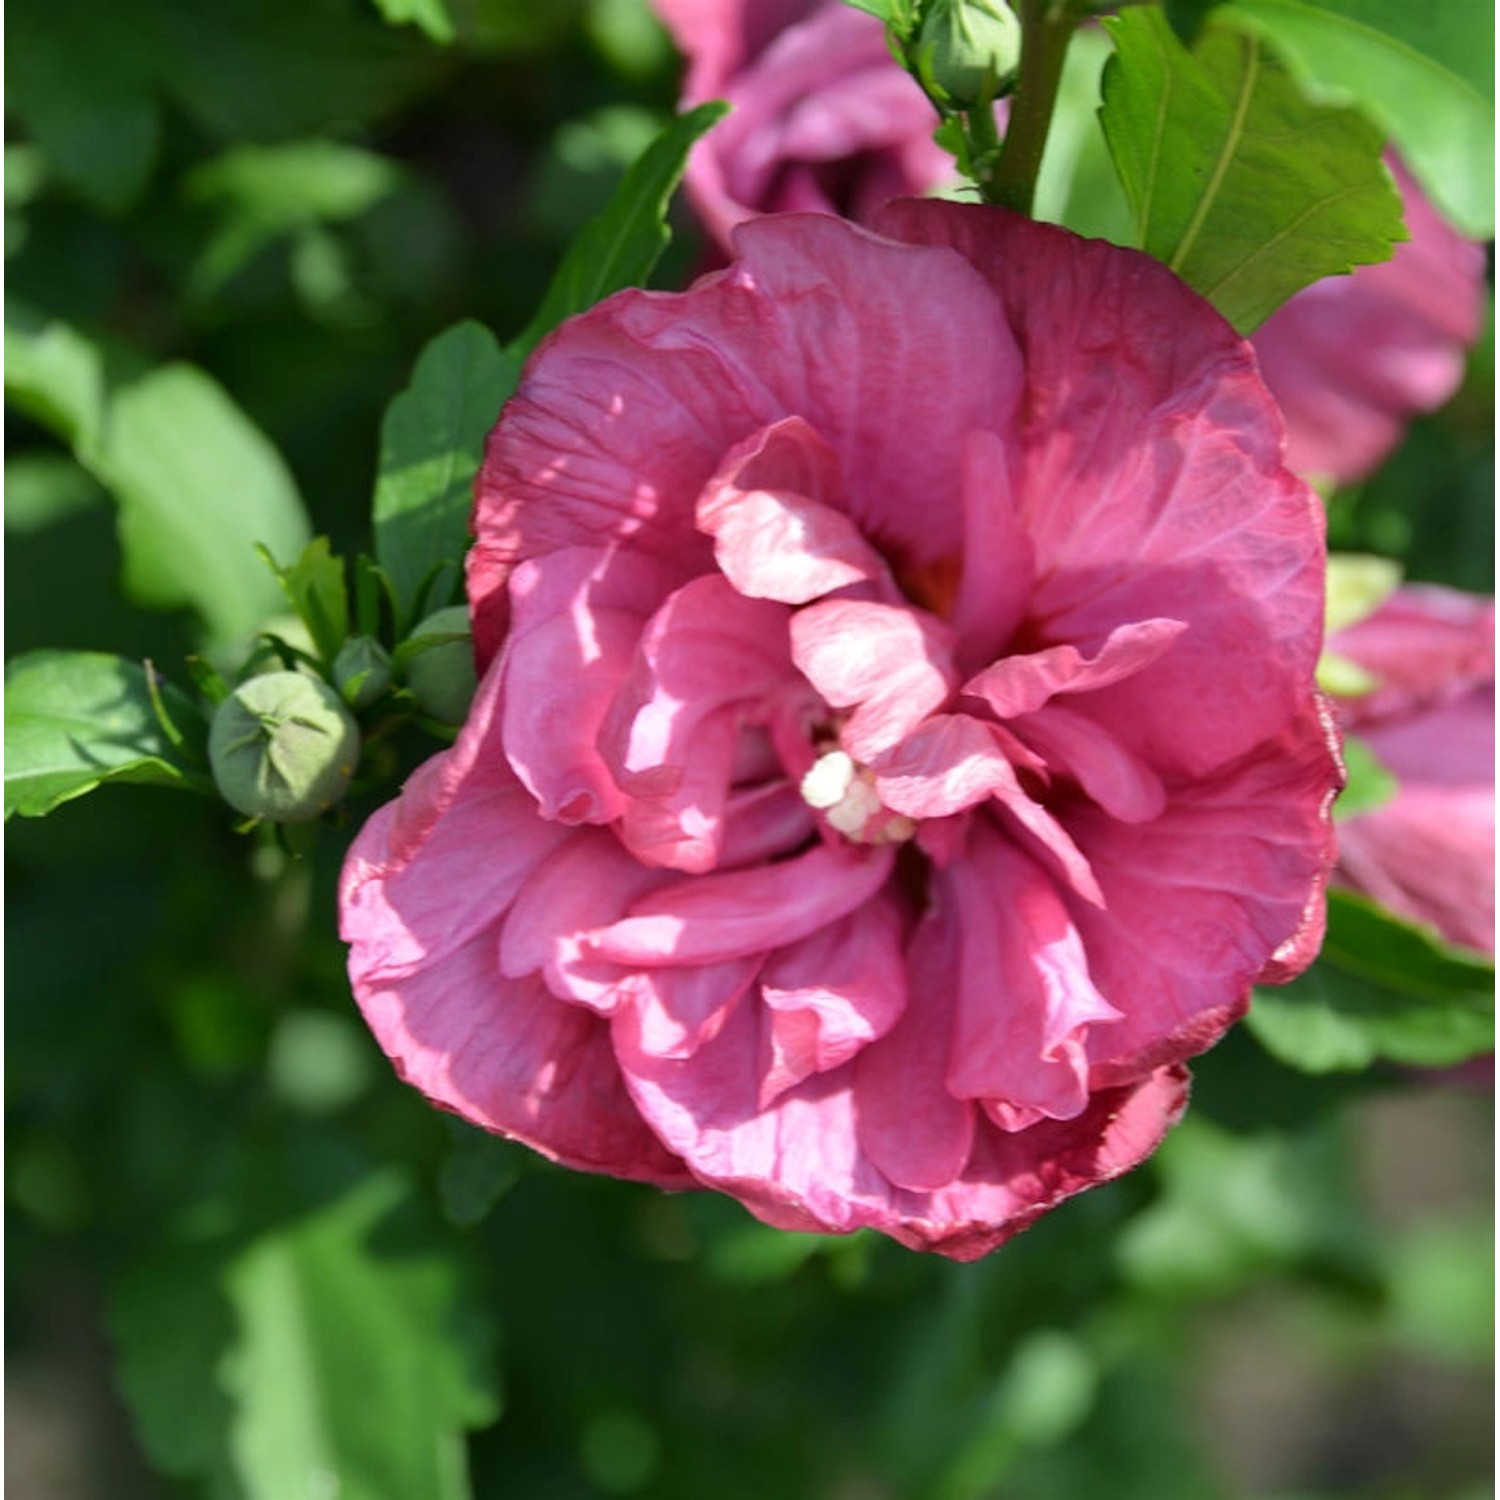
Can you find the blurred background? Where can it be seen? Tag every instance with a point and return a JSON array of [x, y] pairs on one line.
[[245, 1261]]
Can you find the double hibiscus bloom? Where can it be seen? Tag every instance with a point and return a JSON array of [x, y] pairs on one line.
[[897, 748]]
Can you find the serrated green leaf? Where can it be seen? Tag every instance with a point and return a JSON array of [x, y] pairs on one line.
[[430, 15], [1239, 183], [199, 487], [331, 1352], [431, 443], [316, 589], [1425, 74], [622, 245], [75, 719]]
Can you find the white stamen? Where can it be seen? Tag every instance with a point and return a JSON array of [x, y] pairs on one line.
[[829, 779]]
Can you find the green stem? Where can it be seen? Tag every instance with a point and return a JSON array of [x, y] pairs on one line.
[[1046, 29]]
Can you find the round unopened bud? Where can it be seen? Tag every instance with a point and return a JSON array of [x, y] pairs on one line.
[[283, 747], [362, 670], [442, 675], [974, 47]]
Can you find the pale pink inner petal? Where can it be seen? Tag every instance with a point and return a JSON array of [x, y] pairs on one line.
[[947, 764], [673, 1012], [1021, 684], [829, 994], [998, 559], [909, 1124], [736, 913], [777, 533], [1120, 782], [892, 665], [1025, 998], [589, 881], [709, 659]]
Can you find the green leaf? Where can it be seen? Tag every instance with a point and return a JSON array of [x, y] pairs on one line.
[[1186, 17], [621, 246], [44, 488], [263, 193], [317, 591], [80, 78], [1330, 1020], [1382, 989], [199, 486], [1369, 786], [1241, 185], [1366, 939], [54, 374], [431, 443], [332, 1353], [1424, 74], [75, 719], [430, 15]]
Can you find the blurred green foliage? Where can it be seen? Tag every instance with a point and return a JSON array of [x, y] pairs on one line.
[[231, 232]]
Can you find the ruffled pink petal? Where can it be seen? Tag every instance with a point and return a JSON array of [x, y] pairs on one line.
[[1427, 645], [424, 969], [1022, 683], [588, 882], [811, 85], [1074, 744], [949, 763], [674, 1012], [575, 618], [708, 659], [889, 663], [1429, 853], [1025, 1001], [997, 562], [1201, 900], [1151, 484], [910, 1125], [711, 918], [827, 995], [798, 1164], [774, 537], [1353, 358]]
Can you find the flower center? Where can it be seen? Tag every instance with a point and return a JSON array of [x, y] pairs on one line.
[[844, 792]]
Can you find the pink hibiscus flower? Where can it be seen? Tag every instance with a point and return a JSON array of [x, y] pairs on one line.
[[1429, 853], [825, 121], [896, 749], [1352, 359]]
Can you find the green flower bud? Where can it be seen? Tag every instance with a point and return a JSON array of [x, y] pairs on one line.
[[362, 670], [971, 44], [442, 676], [283, 747]]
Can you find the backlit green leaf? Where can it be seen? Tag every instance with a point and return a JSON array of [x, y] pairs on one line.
[[1423, 73], [1244, 187], [431, 443]]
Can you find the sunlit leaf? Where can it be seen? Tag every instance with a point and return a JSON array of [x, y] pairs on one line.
[[431, 15], [75, 719], [1239, 183], [329, 1353], [622, 245], [199, 487], [1424, 73], [431, 443]]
